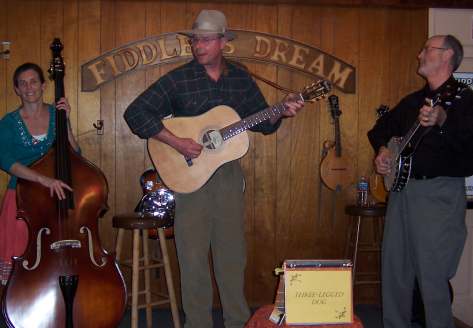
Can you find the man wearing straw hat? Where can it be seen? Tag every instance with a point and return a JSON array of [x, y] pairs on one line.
[[211, 218]]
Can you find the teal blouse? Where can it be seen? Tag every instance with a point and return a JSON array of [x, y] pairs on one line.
[[18, 145]]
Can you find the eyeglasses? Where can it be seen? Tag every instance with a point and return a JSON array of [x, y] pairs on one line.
[[204, 40], [437, 48]]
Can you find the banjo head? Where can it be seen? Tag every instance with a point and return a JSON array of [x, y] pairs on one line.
[[394, 178]]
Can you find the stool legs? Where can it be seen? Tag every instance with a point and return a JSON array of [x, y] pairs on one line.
[[358, 244], [142, 236], [118, 244], [355, 248], [147, 291], [135, 278], [169, 282]]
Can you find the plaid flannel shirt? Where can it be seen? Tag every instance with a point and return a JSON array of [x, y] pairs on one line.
[[188, 91]]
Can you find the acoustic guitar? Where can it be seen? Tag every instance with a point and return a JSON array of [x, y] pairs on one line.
[[223, 135], [278, 314], [377, 188], [336, 169]]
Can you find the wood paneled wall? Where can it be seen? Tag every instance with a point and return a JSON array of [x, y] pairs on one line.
[[289, 213]]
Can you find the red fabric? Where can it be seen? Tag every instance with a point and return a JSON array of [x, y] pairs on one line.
[[13, 233], [260, 320]]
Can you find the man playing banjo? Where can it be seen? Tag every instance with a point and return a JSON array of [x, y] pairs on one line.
[[425, 220]]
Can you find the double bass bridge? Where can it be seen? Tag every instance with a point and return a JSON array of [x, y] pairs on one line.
[[67, 243]]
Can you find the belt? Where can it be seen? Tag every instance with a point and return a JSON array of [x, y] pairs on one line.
[[421, 177]]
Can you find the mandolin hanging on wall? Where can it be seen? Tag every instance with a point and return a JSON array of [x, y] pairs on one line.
[[337, 169]]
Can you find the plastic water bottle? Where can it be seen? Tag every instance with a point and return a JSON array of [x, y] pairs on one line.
[[362, 192]]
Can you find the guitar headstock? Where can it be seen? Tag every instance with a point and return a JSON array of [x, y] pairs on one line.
[[56, 67], [316, 90], [381, 110], [334, 106]]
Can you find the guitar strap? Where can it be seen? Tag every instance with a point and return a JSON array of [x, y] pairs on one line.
[[262, 79], [335, 194], [273, 84], [323, 154]]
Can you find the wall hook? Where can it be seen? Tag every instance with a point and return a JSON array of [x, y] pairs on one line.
[[98, 126], [5, 49]]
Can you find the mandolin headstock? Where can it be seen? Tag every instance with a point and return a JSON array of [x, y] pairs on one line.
[[381, 110], [334, 107]]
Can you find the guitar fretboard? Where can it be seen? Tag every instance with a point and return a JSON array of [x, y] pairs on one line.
[[252, 120], [408, 137], [446, 98], [278, 313]]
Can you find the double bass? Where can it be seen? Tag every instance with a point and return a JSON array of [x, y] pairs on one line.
[[65, 278]]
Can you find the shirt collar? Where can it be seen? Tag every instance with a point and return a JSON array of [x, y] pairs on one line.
[[199, 69], [451, 82]]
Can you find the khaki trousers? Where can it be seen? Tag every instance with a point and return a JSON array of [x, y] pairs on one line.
[[212, 219]]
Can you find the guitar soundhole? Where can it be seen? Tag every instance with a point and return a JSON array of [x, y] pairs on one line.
[[212, 139]]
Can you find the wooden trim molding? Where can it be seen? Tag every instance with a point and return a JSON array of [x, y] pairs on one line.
[[366, 3], [247, 47]]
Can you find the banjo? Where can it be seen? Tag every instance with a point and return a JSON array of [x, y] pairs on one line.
[[401, 148]]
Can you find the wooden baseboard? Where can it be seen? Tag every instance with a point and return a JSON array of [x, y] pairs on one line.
[[461, 324]]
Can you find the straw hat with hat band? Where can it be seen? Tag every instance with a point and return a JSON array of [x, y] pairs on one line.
[[210, 22]]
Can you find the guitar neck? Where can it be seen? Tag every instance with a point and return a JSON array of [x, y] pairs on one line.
[[279, 300], [253, 120], [407, 138], [432, 103]]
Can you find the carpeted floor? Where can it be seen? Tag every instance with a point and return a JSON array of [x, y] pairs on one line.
[[370, 315]]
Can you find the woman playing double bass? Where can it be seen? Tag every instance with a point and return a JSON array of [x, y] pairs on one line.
[[64, 278], [26, 134]]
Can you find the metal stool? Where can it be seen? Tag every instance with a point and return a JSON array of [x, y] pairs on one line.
[[362, 213], [139, 224]]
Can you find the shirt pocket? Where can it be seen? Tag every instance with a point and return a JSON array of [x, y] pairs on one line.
[[190, 105], [236, 101]]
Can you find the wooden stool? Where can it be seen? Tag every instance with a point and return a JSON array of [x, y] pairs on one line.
[[139, 224], [361, 213]]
